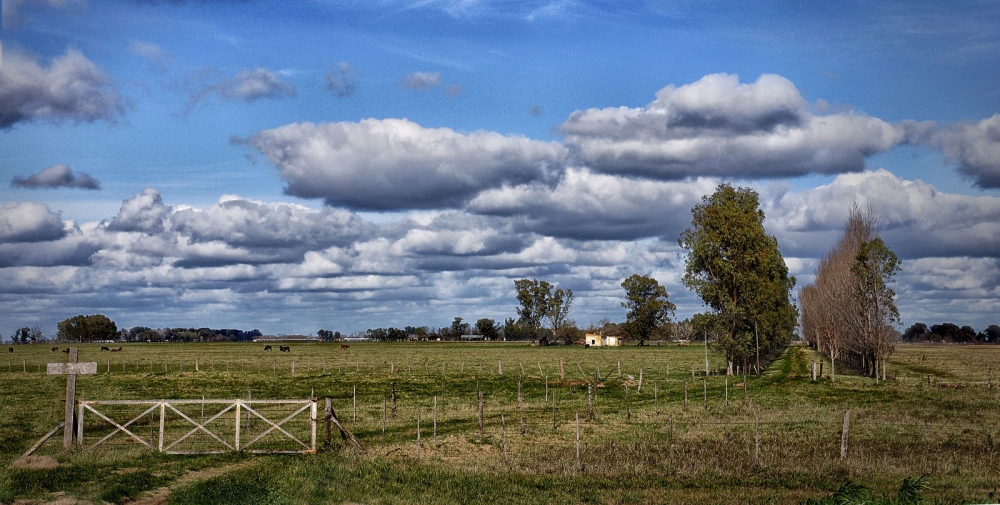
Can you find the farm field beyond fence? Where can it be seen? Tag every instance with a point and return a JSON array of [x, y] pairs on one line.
[[555, 425]]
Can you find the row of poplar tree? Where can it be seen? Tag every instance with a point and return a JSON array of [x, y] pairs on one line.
[[849, 313]]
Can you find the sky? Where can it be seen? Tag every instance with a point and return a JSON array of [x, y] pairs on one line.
[[350, 164]]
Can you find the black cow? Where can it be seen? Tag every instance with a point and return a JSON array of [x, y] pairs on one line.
[[10, 349], [66, 350], [267, 348], [105, 348], [284, 348]]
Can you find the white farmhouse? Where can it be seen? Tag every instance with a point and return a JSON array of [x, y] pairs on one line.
[[595, 340]]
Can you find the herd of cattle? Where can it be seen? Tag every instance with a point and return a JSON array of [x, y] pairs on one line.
[[282, 348]]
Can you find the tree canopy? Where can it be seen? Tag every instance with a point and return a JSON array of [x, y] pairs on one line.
[[540, 301], [87, 329], [647, 304], [738, 271]]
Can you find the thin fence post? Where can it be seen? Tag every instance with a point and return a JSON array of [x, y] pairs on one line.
[[503, 426], [394, 399], [480, 415], [328, 418], [553, 411], [656, 400], [671, 439], [685, 394], [638, 389], [590, 401], [418, 434], [384, 408], [727, 391], [355, 387], [705, 384], [628, 406], [578, 440], [435, 433], [619, 369], [499, 367], [756, 438], [844, 433]]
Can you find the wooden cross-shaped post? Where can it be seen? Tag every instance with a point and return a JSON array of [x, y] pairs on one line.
[[70, 370]]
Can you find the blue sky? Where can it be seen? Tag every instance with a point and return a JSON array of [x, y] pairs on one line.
[[351, 164]]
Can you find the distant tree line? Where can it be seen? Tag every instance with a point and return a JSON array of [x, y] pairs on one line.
[[146, 334], [27, 335], [951, 333]]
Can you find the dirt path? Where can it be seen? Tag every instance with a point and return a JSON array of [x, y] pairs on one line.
[[160, 496]]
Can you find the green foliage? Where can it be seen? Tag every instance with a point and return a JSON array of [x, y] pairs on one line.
[[92, 328], [875, 269], [533, 295], [488, 328], [737, 270], [647, 304], [538, 300], [911, 492]]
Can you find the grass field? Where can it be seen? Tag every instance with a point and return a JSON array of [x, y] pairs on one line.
[[779, 441]]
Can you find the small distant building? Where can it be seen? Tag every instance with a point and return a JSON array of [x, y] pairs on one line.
[[595, 340]]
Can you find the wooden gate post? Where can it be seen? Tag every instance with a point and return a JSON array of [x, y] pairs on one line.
[[70, 370]]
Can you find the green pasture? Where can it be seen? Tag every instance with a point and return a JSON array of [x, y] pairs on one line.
[[774, 438]]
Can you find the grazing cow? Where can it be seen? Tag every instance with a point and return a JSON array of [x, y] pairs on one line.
[[66, 350], [284, 348], [55, 349], [103, 348], [119, 349], [10, 349], [345, 346], [267, 348]]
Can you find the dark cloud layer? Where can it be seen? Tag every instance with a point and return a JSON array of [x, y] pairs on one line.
[[975, 147], [29, 222], [396, 164], [71, 88], [56, 176]]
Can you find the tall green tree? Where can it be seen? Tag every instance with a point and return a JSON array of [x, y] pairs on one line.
[[875, 270], [737, 270], [533, 295], [86, 329], [540, 301], [488, 328], [647, 304]]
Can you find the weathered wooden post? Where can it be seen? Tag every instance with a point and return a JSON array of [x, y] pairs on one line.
[[578, 440], [393, 399], [590, 401], [480, 415], [638, 389], [843, 434], [685, 394], [328, 417], [503, 426], [70, 370], [628, 407]]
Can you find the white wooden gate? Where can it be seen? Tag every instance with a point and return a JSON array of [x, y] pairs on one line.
[[229, 432]]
